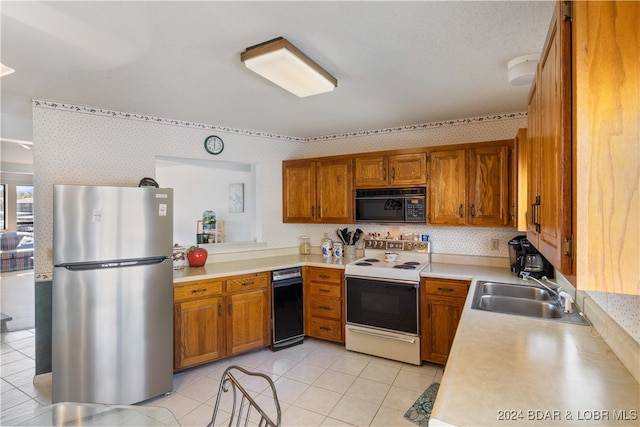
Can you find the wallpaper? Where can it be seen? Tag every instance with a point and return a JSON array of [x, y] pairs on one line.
[[85, 145]]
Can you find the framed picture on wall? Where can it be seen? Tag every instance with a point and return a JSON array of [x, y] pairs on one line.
[[236, 198]]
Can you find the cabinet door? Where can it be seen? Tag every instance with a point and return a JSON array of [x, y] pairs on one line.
[[334, 192], [408, 169], [247, 321], [298, 191], [443, 316], [554, 103], [198, 334], [371, 171], [447, 188], [489, 186], [533, 165]]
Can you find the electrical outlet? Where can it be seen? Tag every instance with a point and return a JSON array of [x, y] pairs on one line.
[[49, 254], [495, 244]]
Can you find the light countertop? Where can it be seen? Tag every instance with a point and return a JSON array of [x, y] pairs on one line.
[[503, 369], [512, 370], [257, 265]]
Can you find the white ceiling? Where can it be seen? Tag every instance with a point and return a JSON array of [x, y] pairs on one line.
[[397, 63]]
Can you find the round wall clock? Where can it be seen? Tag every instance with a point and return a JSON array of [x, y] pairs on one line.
[[213, 144]]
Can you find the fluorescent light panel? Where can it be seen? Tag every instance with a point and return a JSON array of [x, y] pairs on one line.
[[285, 65], [4, 70]]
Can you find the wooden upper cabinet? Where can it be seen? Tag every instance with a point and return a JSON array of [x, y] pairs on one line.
[[447, 187], [298, 191], [317, 190], [552, 232], [392, 170], [334, 192], [472, 185], [489, 186], [371, 171], [408, 169]]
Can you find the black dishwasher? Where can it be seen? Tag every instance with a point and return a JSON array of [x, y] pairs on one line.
[[287, 308]]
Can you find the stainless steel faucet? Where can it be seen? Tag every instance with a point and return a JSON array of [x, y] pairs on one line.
[[526, 276], [559, 292]]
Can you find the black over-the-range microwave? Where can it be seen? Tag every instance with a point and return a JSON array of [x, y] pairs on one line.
[[382, 205]]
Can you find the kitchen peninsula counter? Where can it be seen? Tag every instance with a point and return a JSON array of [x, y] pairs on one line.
[[511, 370]]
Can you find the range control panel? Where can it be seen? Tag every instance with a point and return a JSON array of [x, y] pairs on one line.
[[397, 245]]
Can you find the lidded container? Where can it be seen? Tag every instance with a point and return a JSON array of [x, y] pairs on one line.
[[327, 246], [338, 249], [304, 243], [179, 257]]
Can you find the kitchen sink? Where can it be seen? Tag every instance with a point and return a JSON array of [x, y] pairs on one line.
[[521, 306], [522, 300], [517, 291]]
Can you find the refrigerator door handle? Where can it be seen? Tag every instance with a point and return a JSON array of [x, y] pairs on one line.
[[114, 264]]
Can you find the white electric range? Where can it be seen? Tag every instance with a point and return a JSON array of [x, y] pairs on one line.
[[382, 300]]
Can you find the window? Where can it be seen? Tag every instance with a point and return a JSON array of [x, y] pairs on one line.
[[24, 208], [3, 224]]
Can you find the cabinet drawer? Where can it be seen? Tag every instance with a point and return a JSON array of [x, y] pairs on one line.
[[331, 275], [199, 289], [326, 329], [247, 282], [325, 290], [449, 288], [325, 307]]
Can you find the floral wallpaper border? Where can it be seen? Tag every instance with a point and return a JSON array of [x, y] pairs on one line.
[[42, 103]]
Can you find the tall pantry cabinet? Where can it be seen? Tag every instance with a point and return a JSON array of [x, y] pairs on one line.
[[582, 146], [549, 218]]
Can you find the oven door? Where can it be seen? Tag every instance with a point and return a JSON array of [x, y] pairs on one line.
[[384, 304]]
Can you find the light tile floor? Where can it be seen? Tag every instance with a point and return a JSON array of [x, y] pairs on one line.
[[318, 384]]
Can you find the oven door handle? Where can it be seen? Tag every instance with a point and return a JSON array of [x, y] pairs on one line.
[[382, 335]]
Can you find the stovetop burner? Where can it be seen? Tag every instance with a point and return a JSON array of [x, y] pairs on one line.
[[406, 266]]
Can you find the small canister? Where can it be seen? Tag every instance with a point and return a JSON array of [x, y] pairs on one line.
[[338, 250], [179, 257], [327, 247], [304, 245]]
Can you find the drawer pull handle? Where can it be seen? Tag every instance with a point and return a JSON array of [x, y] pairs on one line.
[[248, 283], [324, 290], [445, 289], [325, 328], [324, 276], [324, 307], [197, 291]]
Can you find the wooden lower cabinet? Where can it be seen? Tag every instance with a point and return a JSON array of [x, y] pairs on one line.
[[247, 321], [198, 332], [441, 302], [324, 303], [220, 317]]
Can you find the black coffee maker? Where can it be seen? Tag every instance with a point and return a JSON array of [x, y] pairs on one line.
[[523, 256]]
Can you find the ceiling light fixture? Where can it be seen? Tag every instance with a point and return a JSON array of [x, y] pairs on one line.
[[520, 70], [4, 70], [287, 66]]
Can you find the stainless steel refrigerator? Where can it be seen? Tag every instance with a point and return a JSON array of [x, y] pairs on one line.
[[112, 337]]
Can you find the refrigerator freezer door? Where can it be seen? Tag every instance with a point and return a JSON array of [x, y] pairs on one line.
[[112, 334], [96, 223]]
